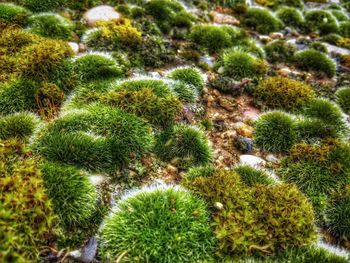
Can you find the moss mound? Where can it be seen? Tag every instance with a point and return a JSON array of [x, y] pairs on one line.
[[260, 227], [140, 226], [283, 93]]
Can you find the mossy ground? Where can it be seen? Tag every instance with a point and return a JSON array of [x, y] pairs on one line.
[[91, 112]]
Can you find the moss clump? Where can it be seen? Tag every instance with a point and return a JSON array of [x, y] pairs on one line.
[[25, 95], [251, 176], [19, 126], [291, 17], [343, 99], [168, 14], [344, 29], [27, 219], [151, 239], [96, 67], [40, 59], [41, 5], [338, 213], [283, 93], [50, 25], [329, 113], [317, 169], [214, 38], [339, 15], [160, 54], [239, 64], [13, 14], [309, 254], [313, 130], [260, 228], [114, 35], [280, 51], [17, 96], [275, 131], [68, 183], [261, 20], [316, 61], [185, 92], [319, 47], [320, 21], [159, 87], [184, 145], [146, 104], [191, 76], [99, 138]]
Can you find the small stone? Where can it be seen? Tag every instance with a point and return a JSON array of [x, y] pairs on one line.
[[171, 169], [271, 158], [276, 35], [216, 92], [221, 70], [82, 47], [218, 205], [252, 160], [224, 19], [207, 60], [265, 39], [285, 72], [250, 113], [74, 46], [97, 179], [243, 129], [227, 104], [100, 13], [245, 145], [210, 99]]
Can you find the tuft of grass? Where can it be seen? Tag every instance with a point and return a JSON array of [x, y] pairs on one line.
[[50, 25], [291, 17], [191, 76], [12, 14], [316, 61], [329, 113], [261, 20], [96, 67], [98, 138], [169, 14], [320, 21], [251, 176], [21, 126], [343, 99], [214, 38], [275, 131], [184, 145], [239, 64], [158, 225], [73, 196], [317, 170], [280, 51], [338, 213]]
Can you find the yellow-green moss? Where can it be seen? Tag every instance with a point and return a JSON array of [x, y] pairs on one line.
[[283, 93]]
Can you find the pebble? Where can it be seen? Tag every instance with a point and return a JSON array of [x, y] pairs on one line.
[[271, 158], [171, 169], [224, 19], [276, 35], [74, 46], [100, 13], [252, 160], [218, 205]]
